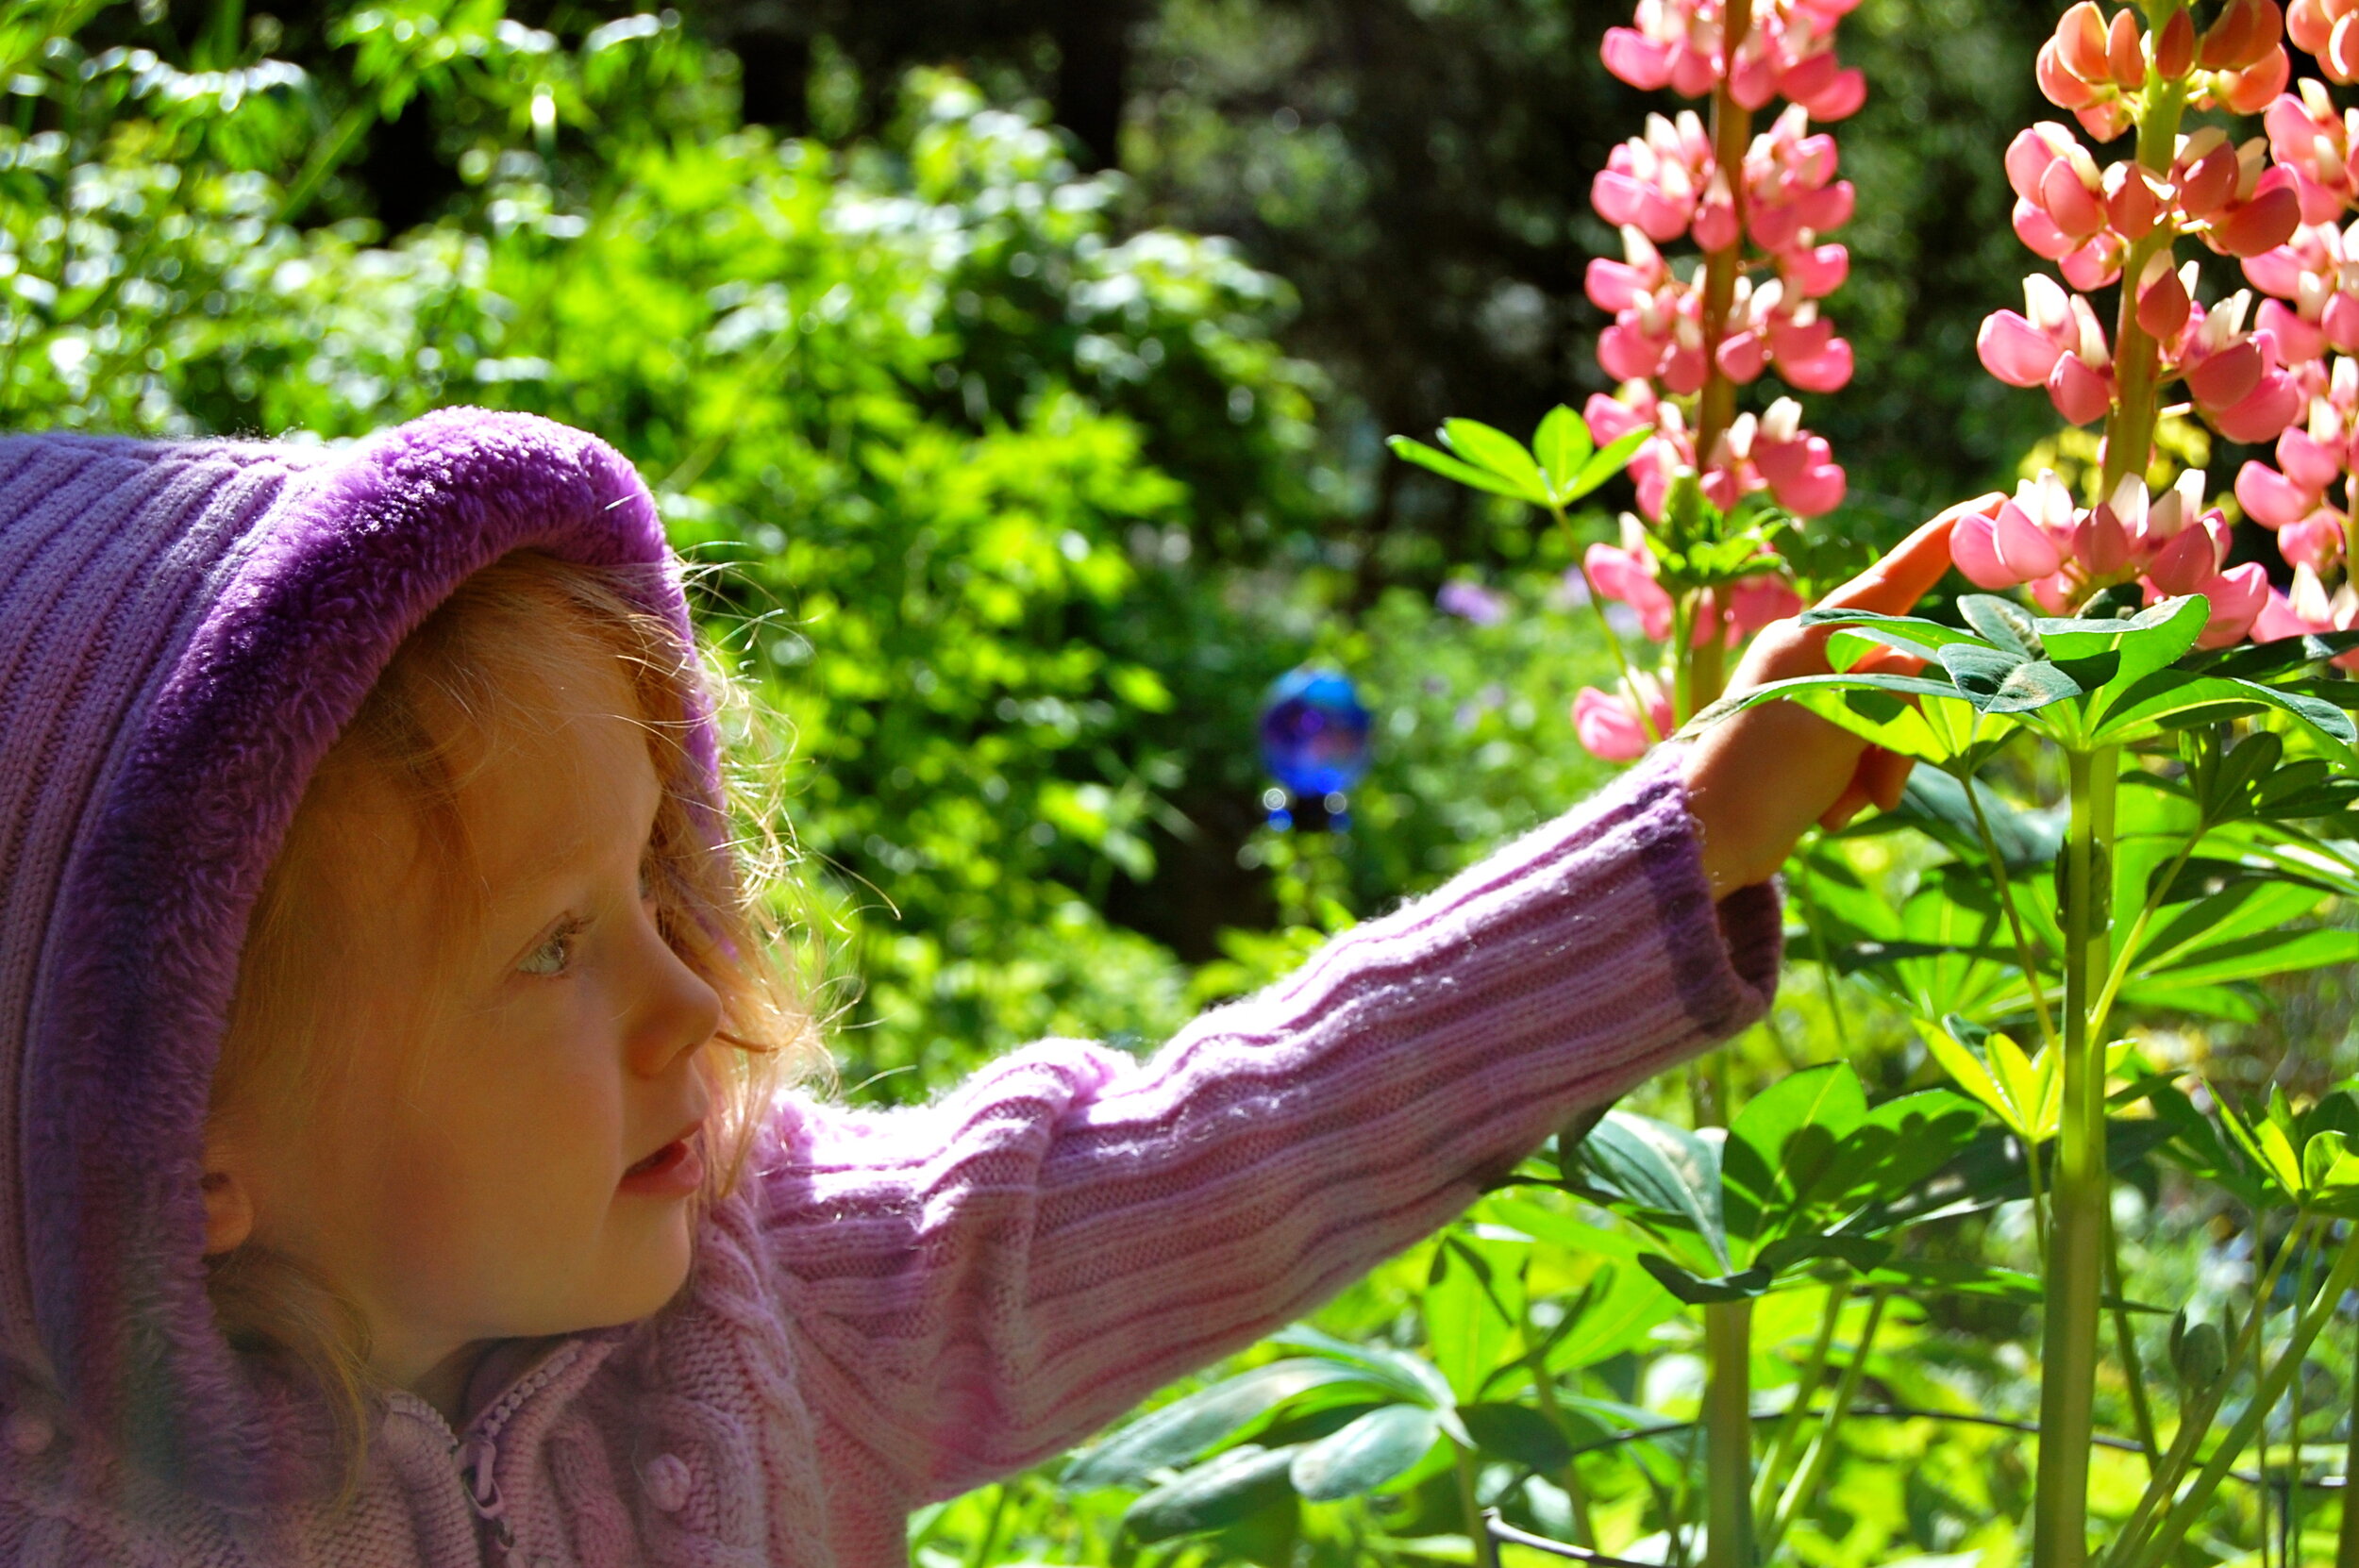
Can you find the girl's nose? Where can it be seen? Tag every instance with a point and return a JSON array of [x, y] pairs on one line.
[[677, 1012]]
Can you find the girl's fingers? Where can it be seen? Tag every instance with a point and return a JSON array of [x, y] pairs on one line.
[[1894, 584], [1884, 774]]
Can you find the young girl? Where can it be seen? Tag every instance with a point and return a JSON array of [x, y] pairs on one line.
[[388, 1052]]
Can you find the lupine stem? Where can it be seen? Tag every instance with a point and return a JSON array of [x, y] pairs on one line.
[[1729, 1435], [1477, 1533], [2129, 432], [1790, 1426], [1731, 133], [2347, 1542], [2077, 1234], [1820, 1455]]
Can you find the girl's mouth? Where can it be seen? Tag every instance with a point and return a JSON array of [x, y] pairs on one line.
[[674, 1171]]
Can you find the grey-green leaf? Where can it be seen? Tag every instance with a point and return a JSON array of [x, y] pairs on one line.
[[1517, 1432], [1999, 682], [2004, 624], [1185, 1427], [1365, 1454], [1606, 463], [1221, 1490], [1662, 1167]]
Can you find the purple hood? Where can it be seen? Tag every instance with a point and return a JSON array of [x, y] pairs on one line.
[[184, 629]]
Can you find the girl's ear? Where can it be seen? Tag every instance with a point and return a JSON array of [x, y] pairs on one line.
[[229, 1196]]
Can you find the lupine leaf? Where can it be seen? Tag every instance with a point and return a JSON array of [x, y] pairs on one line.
[[1561, 444], [1364, 1456], [1221, 1490], [1663, 1168], [1603, 465], [1520, 1433], [1463, 473], [1497, 452], [1185, 1427]]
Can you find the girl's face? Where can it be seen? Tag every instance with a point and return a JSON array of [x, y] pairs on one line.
[[513, 1144]]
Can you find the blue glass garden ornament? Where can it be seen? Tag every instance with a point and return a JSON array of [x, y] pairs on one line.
[[1314, 741]]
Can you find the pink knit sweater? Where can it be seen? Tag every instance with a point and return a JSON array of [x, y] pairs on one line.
[[908, 1303]]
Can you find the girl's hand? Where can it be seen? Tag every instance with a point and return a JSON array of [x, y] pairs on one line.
[[1757, 780]]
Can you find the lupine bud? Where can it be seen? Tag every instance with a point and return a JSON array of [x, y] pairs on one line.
[[2123, 61], [2199, 1353], [2163, 302], [2174, 47]]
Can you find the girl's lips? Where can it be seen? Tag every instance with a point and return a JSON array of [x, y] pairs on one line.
[[674, 1171]]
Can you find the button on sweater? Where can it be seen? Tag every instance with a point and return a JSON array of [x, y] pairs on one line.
[[894, 1306]]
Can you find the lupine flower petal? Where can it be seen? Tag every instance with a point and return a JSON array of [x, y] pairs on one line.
[[2237, 596], [2262, 224], [2226, 377], [1606, 726], [1757, 601], [1827, 370], [2308, 462], [2263, 412], [2080, 394], [2298, 341], [1817, 272], [2023, 547], [2270, 498], [2014, 351], [2185, 563], [1637, 58], [2275, 272], [1974, 548], [2315, 542]]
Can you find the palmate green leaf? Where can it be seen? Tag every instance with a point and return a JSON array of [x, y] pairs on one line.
[[1940, 728], [2261, 661], [1952, 1043], [1782, 1144], [1602, 466], [1697, 1291], [1464, 1328], [2147, 641], [1365, 1455], [1996, 682], [1519, 1434], [1957, 1276], [1910, 634], [1223, 1489], [1561, 444], [1185, 1427], [1938, 801], [1663, 1168], [2173, 698], [2004, 624], [1497, 452], [1463, 473], [1896, 1145], [1410, 1376]]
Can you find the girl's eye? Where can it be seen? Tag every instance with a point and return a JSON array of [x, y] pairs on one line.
[[556, 955]]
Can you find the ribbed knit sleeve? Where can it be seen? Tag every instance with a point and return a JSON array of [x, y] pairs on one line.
[[980, 1283]]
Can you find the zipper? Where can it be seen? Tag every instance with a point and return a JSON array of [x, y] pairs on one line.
[[478, 1453]]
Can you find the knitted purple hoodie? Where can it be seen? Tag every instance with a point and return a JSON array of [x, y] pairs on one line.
[[896, 1306]]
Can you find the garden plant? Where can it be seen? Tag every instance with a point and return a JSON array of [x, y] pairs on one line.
[[1982, 1250], [2198, 714]]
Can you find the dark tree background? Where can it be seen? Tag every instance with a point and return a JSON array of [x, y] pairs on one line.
[[1420, 173]]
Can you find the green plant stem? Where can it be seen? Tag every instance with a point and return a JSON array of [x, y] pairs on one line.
[[1731, 131], [2346, 1539], [1707, 660], [327, 155], [2120, 970], [2192, 1502], [2133, 1365], [1478, 1534], [2076, 1246], [1544, 1389], [1729, 1434], [2015, 916], [1806, 1384], [1813, 1473], [2130, 430], [2293, 1433], [2195, 1417], [1804, 893]]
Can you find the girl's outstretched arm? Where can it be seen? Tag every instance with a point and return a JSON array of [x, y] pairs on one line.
[[975, 1285]]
